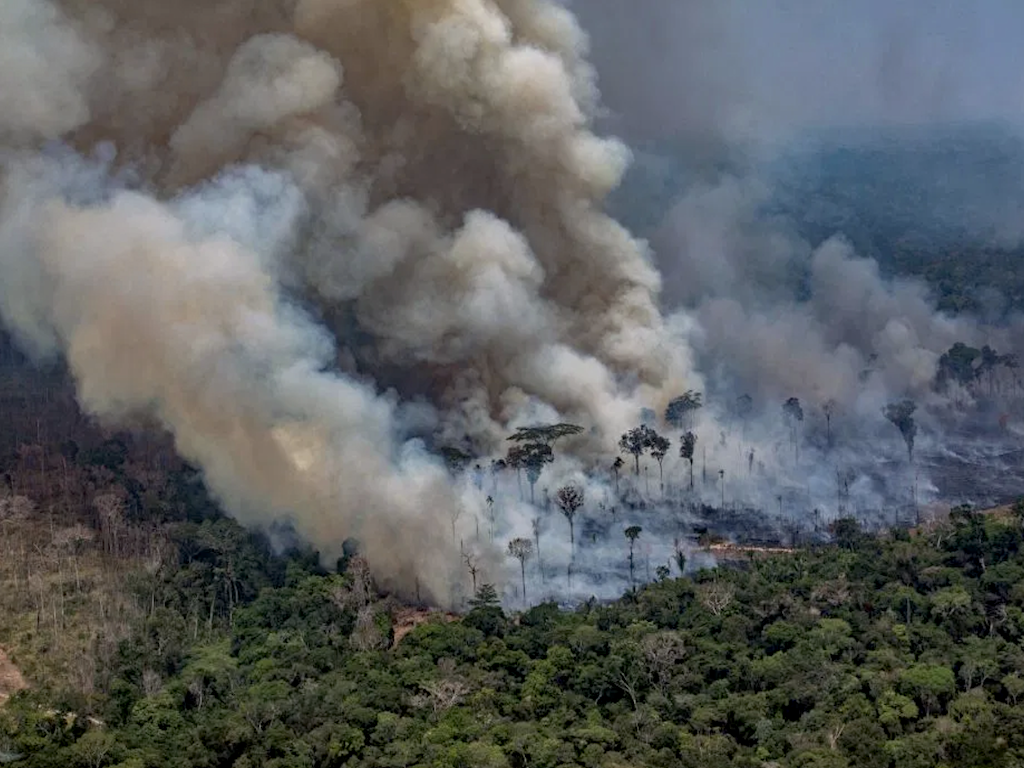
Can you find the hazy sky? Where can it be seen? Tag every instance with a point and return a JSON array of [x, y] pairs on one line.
[[735, 69]]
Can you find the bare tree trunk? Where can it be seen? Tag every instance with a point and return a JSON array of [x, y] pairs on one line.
[[536, 539], [632, 581]]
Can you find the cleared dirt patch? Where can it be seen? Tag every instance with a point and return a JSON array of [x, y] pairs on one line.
[[11, 679], [407, 619]]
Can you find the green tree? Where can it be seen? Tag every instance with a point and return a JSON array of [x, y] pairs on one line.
[[930, 684]]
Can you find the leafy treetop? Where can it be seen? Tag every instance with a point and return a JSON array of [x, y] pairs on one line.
[[544, 433]]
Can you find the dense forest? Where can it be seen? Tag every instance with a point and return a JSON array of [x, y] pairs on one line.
[[192, 644]]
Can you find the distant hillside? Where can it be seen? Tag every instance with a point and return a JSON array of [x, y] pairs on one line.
[[944, 204], [927, 188]]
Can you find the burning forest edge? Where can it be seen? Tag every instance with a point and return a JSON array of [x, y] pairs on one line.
[[345, 253]]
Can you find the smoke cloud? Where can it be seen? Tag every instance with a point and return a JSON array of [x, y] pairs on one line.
[[316, 238], [319, 240]]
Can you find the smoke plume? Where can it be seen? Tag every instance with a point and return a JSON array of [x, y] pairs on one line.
[[284, 229]]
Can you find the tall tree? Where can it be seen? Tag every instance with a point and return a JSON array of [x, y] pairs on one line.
[[680, 410], [616, 468], [454, 513], [686, 448], [902, 417], [793, 414], [659, 450], [635, 442], [471, 565], [521, 549], [570, 499], [829, 409], [516, 459], [632, 534], [535, 456], [958, 365]]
